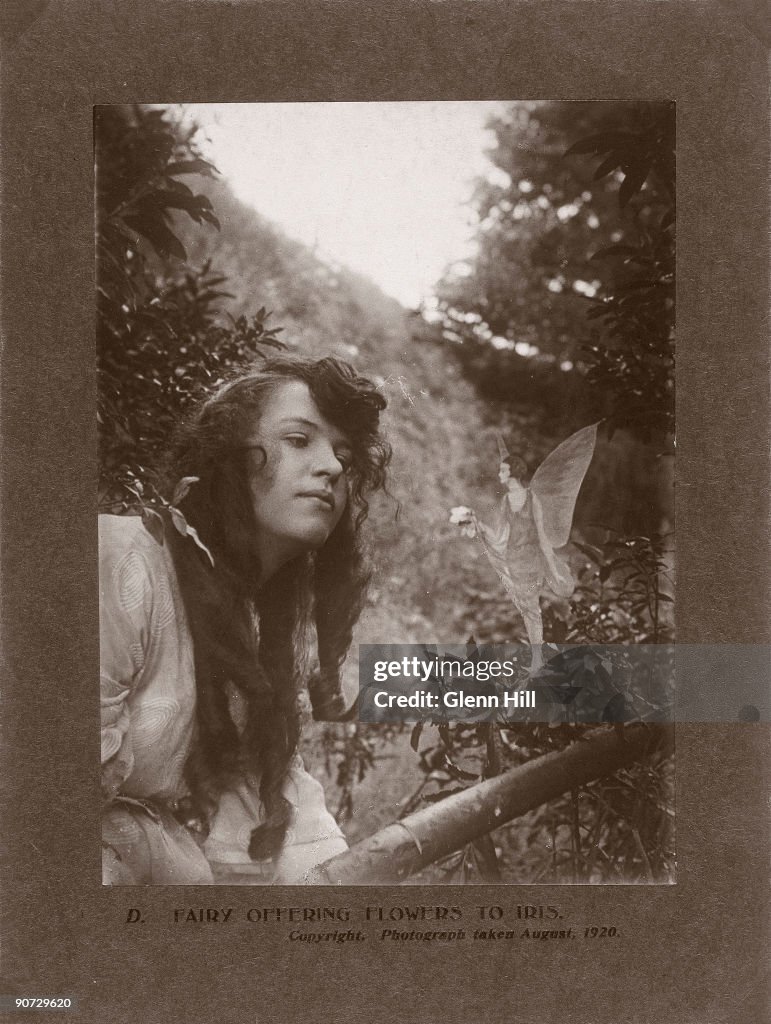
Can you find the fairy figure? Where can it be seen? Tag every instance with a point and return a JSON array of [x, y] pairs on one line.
[[534, 522]]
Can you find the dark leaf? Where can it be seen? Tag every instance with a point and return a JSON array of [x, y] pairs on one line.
[[164, 241], [415, 735], [458, 773], [209, 217], [616, 250], [616, 710], [434, 798], [597, 144], [179, 188], [589, 550], [197, 166], [153, 523], [609, 164], [596, 311], [196, 206], [559, 630], [632, 184], [487, 859], [446, 736]]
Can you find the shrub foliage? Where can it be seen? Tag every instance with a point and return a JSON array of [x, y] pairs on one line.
[[160, 339]]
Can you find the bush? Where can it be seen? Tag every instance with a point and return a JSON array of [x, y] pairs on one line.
[[160, 341]]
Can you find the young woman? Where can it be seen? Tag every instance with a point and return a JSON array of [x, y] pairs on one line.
[[205, 639]]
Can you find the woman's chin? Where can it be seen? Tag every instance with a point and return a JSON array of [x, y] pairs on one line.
[[311, 539]]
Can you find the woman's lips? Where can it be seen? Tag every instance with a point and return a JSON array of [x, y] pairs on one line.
[[324, 497]]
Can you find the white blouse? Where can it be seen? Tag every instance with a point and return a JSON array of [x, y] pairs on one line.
[[148, 700]]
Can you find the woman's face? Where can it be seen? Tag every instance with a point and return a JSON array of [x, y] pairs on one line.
[[300, 492]]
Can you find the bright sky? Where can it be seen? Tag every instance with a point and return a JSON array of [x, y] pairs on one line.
[[379, 187]]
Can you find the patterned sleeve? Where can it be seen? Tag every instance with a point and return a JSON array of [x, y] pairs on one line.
[[125, 609]]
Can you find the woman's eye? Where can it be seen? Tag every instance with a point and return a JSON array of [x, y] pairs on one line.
[[297, 440], [345, 460]]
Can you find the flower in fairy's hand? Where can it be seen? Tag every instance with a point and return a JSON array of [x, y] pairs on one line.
[[460, 515], [463, 516]]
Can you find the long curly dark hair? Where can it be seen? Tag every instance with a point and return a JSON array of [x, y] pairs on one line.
[[254, 641]]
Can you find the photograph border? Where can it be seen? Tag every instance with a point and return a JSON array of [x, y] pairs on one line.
[[686, 952]]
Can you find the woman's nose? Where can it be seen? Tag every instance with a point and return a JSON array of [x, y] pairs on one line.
[[327, 463]]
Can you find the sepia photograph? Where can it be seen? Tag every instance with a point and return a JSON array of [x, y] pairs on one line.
[[383, 598], [398, 374]]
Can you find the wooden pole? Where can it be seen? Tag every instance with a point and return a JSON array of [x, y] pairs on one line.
[[399, 850]]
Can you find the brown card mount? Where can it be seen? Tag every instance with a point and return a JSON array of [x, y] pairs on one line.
[[679, 953]]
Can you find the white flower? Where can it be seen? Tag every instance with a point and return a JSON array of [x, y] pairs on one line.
[[460, 515], [463, 516]]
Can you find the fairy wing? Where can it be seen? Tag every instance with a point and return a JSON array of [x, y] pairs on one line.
[[556, 483], [558, 574]]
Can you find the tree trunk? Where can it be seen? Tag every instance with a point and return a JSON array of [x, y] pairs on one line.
[[399, 850]]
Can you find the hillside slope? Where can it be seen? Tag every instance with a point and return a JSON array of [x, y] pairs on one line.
[[443, 435], [434, 421]]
